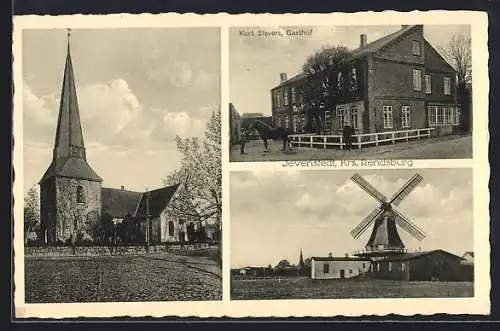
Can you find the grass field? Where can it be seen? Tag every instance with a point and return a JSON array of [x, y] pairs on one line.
[[305, 288], [446, 147], [121, 279]]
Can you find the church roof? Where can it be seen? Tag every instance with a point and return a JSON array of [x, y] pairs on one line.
[[69, 156], [72, 167], [158, 200], [118, 202]]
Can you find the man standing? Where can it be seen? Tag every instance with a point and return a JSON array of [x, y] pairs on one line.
[[347, 133], [243, 141]]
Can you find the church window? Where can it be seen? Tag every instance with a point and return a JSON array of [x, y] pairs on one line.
[[170, 228], [80, 195], [76, 151]]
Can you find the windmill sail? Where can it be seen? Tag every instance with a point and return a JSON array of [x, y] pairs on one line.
[[368, 188], [408, 226], [358, 230], [406, 189]]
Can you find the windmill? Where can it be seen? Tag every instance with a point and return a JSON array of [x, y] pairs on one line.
[[385, 239]]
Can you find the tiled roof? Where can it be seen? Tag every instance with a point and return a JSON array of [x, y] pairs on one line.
[[119, 203], [73, 167], [158, 200], [358, 52], [411, 256]]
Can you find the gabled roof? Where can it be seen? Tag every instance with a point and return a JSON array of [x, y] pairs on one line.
[[382, 42], [470, 253], [158, 200], [119, 203], [72, 167], [359, 52], [411, 256]]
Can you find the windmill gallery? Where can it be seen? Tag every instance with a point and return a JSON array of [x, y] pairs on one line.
[[385, 255]]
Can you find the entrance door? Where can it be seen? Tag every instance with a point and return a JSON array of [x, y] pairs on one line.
[[342, 273]]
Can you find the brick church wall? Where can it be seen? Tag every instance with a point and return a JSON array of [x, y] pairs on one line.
[[77, 218]]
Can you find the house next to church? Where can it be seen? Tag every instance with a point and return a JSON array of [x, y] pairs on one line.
[[398, 82], [73, 201]]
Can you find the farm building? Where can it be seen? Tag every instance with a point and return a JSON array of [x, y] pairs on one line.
[[338, 267], [468, 266], [398, 82], [73, 201], [420, 266]]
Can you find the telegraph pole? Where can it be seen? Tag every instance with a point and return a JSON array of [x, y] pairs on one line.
[[147, 217]]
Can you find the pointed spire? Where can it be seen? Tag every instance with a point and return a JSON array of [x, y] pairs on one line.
[[69, 137], [301, 260]]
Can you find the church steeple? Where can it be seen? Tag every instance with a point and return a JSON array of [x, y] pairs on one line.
[[69, 137], [69, 155], [301, 260]]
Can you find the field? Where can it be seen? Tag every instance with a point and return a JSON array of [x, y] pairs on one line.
[[447, 147], [305, 288], [121, 278]]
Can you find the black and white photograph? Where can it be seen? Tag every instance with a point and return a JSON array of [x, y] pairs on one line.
[[341, 234], [350, 92], [122, 164]]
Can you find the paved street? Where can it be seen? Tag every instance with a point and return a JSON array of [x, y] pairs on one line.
[[448, 147], [158, 277]]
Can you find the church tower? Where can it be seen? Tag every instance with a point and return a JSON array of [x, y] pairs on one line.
[[70, 191]]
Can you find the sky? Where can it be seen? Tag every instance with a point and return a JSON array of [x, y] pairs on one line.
[[137, 89], [275, 214], [255, 63]]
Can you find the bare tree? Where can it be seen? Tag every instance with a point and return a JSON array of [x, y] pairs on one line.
[[458, 53]]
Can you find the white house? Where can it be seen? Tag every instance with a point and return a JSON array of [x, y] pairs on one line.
[[338, 267]]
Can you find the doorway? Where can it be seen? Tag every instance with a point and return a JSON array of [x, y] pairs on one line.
[[342, 273]]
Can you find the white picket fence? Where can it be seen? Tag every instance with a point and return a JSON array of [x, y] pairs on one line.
[[359, 140]]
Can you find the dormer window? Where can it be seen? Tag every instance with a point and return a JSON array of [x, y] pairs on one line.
[[80, 194], [416, 47], [76, 151]]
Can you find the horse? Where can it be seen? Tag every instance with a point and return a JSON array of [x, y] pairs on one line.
[[267, 132]]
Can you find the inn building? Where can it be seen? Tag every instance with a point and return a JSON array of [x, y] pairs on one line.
[[398, 82]]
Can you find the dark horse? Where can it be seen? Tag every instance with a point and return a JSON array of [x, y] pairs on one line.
[[267, 132]]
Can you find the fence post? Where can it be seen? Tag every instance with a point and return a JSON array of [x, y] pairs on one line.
[[406, 135], [376, 139], [359, 142], [393, 138], [324, 142], [418, 134], [341, 143], [311, 141]]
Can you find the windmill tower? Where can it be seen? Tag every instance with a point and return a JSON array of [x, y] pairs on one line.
[[385, 239]]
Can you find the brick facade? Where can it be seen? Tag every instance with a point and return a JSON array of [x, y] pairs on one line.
[[384, 77]]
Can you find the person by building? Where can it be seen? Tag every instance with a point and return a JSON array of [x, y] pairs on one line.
[[243, 140], [347, 133]]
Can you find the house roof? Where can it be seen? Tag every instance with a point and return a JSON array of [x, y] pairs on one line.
[[158, 199], [119, 203], [73, 167], [334, 258], [411, 256], [359, 52], [382, 42], [470, 253]]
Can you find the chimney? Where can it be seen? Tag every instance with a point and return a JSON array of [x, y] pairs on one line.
[[329, 254], [123, 187], [346, 254], [283, 77], [404, 26], [362, 42]]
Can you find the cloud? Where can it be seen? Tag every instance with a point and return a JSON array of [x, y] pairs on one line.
[[111, 115]]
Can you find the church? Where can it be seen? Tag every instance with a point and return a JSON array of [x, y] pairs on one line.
[[73, 201]]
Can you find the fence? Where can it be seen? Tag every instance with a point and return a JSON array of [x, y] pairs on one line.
[[178, 249], [359, 140]]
